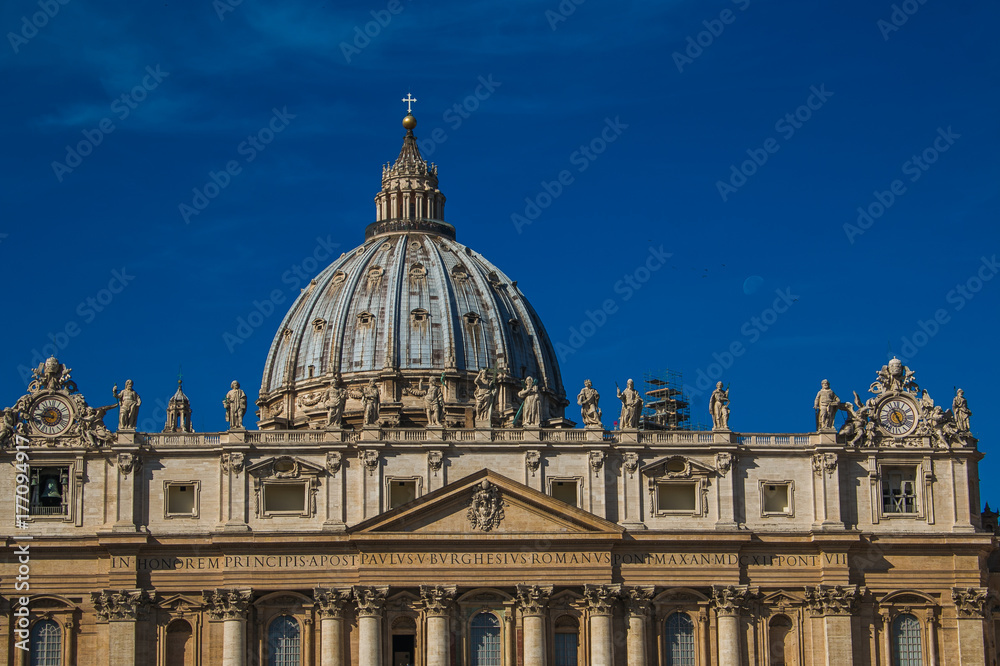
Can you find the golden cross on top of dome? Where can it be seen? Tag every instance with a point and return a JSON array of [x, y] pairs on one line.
[[409, 99]]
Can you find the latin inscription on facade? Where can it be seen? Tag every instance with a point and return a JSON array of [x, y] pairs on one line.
[[484, 560]]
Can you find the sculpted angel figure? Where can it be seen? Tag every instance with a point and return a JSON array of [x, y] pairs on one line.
[[530, 413], [484, 395], [8, 426], [588, 399], [94, 431], [718, 405], [631, 406], [235, 403], [960, 407], [128, 403]]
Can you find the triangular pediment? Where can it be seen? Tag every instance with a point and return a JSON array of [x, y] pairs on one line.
[[677, 466], [284, 467], [470, 506], [180, 602]]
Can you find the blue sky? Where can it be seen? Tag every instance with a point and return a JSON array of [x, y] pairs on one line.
[[746, 135]]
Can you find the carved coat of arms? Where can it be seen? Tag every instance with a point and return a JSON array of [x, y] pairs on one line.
[[486, 508]]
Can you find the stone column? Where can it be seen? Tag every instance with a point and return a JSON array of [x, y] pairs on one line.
[[230, 605], [330, 606], [234, 485], [630, 495], [532, 601], [970, 604], [600, 600], [121, 609], [725, 492], [826, 491], [729, 601], [931, 617], [371, 602], [836, 604], [129, 466], [334, 519], [437, 601], [638, 601]]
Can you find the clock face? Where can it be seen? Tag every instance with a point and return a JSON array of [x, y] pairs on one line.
[[897, 417], [51, 416]]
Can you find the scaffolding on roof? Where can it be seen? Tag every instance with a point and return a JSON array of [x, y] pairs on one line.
[[666, 407]]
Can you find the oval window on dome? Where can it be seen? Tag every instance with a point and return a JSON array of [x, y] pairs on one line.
[[319, 324], [459, 274], [417, 273], [374, 276], [338, 279], [366, 319], [419, 319]]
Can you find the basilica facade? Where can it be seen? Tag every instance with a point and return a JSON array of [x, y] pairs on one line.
[[414, 494]]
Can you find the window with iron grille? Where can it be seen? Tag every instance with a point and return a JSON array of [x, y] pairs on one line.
[[485, 639], [899, 490], [680, 640], [46, 644], [283, 642], [906, 641]]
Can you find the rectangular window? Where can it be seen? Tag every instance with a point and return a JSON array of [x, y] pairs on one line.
[[182, 499], [899, 490], [49, 491], [401, 492], [566, 649], [677, 497], [776, 498], [285, 498], [565, 491]]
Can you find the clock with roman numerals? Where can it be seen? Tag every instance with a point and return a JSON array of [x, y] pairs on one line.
[[897, 417], [52, 415]]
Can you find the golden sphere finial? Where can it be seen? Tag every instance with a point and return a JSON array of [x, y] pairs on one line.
[[409, 122]]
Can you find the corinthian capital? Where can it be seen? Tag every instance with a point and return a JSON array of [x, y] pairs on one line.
[[370, 599], [970, 601], [437, 599], [227, 603], [330, 602], [730, 599], [532, 599], [833, 599], [121, 605], [639, 599], [601, 598]]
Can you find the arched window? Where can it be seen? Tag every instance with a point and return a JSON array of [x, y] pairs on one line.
[[567, 641], [906, 647], [178, 648], [283, 642], [46, 644], [485, 639], [680, 640], [779, 641]]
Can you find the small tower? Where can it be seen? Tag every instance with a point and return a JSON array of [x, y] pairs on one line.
[[178, 412], [990, 520]]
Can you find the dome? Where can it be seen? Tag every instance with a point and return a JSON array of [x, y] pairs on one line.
[[409, 307]]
